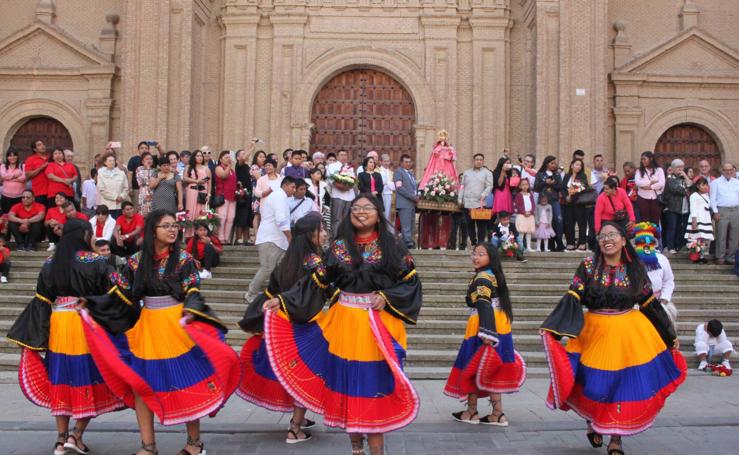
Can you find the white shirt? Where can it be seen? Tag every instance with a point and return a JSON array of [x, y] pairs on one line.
[[702, 336], [107, 229], [332, 169], [299, 209], [388, 187], [724, 193], [663, 280], [89, 192], [275, 213]]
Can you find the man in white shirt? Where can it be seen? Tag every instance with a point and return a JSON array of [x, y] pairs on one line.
[[388, 186], [273, 235], [725, 205], [90, 193], [298, 203], [710, 339], [340, 199]]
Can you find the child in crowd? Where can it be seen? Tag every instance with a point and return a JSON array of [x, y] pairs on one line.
[[710, 340], [515, 182], [4, 261], [505, 235], [544, 230], [525, 208], [206, 249], [700, 227]]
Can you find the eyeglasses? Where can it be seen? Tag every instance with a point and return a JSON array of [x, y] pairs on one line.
[[607, 237], [168, 226], [363, 208]]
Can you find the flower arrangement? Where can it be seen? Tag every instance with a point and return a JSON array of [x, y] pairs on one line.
[[207, 216], [694, 250], [508, 247], [344, 180], [578, 186], [440, 189]]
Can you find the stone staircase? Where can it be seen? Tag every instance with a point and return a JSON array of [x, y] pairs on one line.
[[703, 292]]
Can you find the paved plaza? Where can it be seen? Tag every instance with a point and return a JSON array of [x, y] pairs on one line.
[[702, 418]]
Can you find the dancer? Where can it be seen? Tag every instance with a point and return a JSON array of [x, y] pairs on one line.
[[487, 364], [360, 336], [67, 380], [620, 364], [173, 362], [259, 384]]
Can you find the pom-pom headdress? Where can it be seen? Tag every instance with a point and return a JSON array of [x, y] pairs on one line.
[[645, 243]]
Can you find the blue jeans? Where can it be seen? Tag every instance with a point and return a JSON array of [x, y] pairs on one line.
[[557, 225], [673, 236]]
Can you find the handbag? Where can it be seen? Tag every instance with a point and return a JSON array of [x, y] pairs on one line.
[[586, 197], [618, 215], [202, 197], [481, 213], [217, 200]]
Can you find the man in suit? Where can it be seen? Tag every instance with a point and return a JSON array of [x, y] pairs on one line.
[[406, 197]]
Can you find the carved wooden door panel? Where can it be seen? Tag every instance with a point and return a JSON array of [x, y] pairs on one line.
[[362, 110], [690, 143], [51, 131]]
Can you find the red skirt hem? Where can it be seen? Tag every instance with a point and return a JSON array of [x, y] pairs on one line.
[[257, 389]]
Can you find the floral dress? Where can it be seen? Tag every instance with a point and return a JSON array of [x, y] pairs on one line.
[[143, 176]]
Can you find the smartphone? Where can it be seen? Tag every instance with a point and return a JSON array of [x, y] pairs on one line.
[[152, 143], [256, 140], [115, 145]]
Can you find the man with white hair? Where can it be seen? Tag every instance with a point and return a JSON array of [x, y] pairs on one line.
[[704, 170], [370, 154], [676, 207], [725, 205], [318, 157]]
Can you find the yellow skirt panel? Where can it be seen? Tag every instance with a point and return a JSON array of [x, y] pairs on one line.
[[66, 335], [158, 334], [603, 334], [349, 334]]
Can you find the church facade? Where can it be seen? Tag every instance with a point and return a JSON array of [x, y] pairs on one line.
[[533, 76]]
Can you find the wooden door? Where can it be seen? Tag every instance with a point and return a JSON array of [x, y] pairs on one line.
[[51, 131], [362, 110], [689, 143]]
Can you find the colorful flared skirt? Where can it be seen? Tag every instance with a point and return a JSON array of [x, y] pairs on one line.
[[259, 384], [616, 374], [347, 364], [182, 371], [66, 381], [483, 369]]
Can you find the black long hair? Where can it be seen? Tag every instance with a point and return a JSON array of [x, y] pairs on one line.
[[146, 277], [76, 237], [10, 153], [499, 168], [652, 161], [545, 163], [393, 250], [504, 296], [635, 269], [291, 269], [193, 163]]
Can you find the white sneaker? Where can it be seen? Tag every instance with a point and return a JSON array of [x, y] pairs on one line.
[[725, 363], [205, 275], [702, 366], [3, 279], [52, 247]]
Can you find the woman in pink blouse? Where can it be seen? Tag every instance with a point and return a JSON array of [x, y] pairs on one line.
[[226, 186], [650, 182], [13, 180]]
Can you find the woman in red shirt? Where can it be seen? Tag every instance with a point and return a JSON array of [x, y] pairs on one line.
[[55, 220], [61, 175], [206, 249], [614, 204]]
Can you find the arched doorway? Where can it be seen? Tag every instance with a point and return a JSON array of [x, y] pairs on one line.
[[690, 143], [361, 110], [49, 130]]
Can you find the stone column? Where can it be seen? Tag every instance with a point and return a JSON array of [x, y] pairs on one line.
[[545, 25], [239, 50], [96, 112]]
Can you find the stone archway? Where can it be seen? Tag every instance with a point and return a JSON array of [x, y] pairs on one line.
[[363, 109], [51, 131], [690, 143]]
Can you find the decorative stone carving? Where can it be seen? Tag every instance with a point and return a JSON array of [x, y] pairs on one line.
[[109, 34], [689, 15], [45, 11]]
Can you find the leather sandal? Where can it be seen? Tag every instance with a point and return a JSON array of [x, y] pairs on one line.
[[494, 420], [59, 445], [295, 439], [358, 447], [471, 420], [595, 439], [195, 443], [75, 436], [618, 450], [308, 424]]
